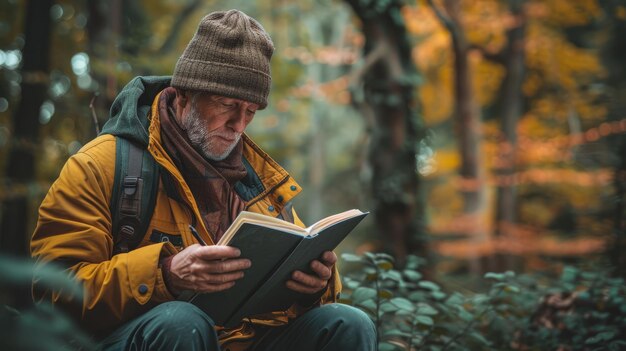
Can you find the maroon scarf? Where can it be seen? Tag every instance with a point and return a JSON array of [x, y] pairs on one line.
[[211, 182]]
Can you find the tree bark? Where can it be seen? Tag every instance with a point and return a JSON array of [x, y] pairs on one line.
[[510, 112], [466, 111], [468, 127], [613, 58], [21, 164], [388, 103]]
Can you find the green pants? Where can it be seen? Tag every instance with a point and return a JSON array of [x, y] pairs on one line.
[[182, 326]]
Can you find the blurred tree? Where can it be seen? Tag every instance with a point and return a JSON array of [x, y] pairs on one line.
[[384, 91], [613, 57], [467, 111], [509, 111], [20, 169]]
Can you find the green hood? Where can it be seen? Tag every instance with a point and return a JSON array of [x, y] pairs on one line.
[[128, 116]]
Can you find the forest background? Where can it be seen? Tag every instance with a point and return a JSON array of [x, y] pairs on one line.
[[483, 135]]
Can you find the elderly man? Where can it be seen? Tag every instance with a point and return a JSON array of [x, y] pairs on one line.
[[193, 126]]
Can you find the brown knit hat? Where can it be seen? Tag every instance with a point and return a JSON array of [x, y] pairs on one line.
[[230, 56]]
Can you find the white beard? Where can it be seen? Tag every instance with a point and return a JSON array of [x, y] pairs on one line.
[[204, 141]]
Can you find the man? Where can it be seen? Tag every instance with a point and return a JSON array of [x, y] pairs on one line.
[[210, 171]]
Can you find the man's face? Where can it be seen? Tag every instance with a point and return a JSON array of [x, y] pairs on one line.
[[214, 124]]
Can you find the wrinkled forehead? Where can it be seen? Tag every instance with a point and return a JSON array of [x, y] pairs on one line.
[[206, 97]]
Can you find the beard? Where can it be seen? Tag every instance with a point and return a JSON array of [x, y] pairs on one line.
[[207, 143]]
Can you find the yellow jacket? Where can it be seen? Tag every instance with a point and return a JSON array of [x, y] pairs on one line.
[[74, 230]]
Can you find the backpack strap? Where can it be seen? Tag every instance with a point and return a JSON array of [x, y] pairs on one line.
[[134, 193]]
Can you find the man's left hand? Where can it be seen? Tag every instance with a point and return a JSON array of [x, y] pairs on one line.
[[316, 282]]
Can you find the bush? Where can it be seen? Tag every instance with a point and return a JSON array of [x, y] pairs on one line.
[[40, 327], [579, 311]]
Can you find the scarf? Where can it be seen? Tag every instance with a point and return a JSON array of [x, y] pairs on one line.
[[210, 182]]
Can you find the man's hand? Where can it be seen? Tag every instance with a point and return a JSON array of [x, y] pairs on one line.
[[311, 284], [207, 268]]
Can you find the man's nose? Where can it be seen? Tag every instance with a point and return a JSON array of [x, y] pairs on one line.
[[238, 122]]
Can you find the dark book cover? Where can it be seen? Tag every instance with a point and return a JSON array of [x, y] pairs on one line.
[[274, 254]]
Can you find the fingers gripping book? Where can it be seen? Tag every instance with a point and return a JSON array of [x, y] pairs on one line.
[[276, 248]]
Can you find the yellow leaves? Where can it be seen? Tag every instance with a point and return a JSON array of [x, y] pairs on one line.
[[421, 20], [559, 62], [485, 23], [437, 97], [488, 76], [532, 84], [447, 161], [569, 13], [446, 196]]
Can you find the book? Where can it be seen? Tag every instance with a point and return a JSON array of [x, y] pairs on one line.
[[276, 248]]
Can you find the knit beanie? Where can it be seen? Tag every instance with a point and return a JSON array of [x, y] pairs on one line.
[[229, 56]]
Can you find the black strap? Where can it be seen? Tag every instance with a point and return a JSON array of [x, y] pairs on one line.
[[130, 201], [134, 194]]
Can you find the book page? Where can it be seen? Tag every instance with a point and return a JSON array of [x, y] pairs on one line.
[[287, 227], [330, 220], [262, 220]]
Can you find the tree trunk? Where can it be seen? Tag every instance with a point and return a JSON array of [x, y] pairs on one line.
[[21, 164], [510, 111], [389, 98], [467, 115], [468, 126], [613, 57]]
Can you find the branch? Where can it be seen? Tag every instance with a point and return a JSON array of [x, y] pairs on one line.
[[445, 19], [369, 61], [93, 114], [168, 44]]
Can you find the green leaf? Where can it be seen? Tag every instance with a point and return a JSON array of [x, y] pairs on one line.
[[438, 295], [368, 305], [466, 316], [478, 337], [396, 332], [370, 270], [370, 256], [426, 309], [589, 275], [384, 256], [428, 285], [404, 313], [601, 337], [403, 303], [351, 284], [363, 293], [412, 276], [425, 320], [387, 307], [417, 296], [494, 276], [351, 257], [569, 274], [394, 275], [455, 299]]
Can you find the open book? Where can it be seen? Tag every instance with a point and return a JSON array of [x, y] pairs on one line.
[[276, 249]]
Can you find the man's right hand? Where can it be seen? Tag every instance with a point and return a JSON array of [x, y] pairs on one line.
[[207, 268]]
